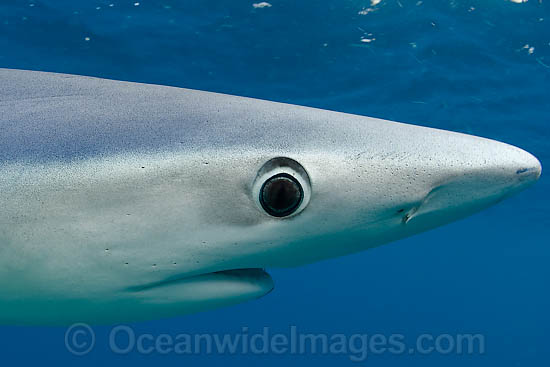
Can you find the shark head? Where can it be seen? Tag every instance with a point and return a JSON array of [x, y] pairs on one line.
[[124, 201], [349, 183]]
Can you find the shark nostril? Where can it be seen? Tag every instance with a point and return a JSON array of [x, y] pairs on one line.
[[521, 170], [528, 174], [526, 165], [530, 170]]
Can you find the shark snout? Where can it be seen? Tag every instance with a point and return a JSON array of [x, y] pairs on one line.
[[495, 169], [486, 174], [513, 169], [528, 169]]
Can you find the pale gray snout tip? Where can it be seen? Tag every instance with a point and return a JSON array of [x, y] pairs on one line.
[[529, 168]]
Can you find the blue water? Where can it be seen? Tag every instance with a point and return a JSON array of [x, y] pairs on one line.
[[480, 67]]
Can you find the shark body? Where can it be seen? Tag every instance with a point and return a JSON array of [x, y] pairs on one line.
[[124, 201]]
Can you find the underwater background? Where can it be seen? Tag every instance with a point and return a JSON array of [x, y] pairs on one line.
[[478, 67]]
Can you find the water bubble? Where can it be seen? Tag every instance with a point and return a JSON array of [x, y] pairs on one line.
[[261, 5]]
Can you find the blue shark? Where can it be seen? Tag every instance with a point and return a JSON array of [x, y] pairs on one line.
[[124, 201]]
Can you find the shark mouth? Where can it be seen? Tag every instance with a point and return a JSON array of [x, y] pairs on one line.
[[244, 276]]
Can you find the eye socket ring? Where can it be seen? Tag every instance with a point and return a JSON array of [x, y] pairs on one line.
[[282, 188]]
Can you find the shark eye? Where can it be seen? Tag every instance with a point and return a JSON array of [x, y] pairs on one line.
[[281, 195], [282, 188]]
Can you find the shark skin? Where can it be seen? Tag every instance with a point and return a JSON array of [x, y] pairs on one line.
[[124, 202]]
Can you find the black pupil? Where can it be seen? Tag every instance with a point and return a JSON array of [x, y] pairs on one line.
[[281, 195]]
